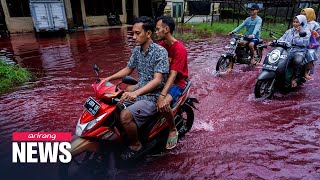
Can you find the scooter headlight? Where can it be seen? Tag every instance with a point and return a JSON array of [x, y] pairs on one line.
[[79, 131], [94, 122], [232, 41], [82, 128], [274, 56]]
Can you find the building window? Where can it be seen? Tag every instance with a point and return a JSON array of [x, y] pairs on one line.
[[103, 7], [18, 8], [177, 9]]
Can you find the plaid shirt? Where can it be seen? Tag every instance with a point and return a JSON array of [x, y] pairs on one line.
[[155, 60]]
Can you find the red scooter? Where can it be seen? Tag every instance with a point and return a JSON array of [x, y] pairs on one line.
[[99, 134]]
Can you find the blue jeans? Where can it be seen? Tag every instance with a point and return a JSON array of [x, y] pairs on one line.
[[254, 40], [175, 91]]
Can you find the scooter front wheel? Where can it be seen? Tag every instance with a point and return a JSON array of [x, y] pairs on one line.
[[264, 88], [224, 64], [82, 165]]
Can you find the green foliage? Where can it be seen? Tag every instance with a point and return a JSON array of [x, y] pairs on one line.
[[12, 75], [187, 36], [223, 28]]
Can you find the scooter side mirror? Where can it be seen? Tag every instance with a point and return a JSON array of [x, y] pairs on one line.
[[129, 80], [302, 34], [271, 34], [96, 69]]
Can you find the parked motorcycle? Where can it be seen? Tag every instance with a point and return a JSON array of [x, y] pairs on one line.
[[4, 33], [238, 52], [113, 19], [277, 70], [99, 134]]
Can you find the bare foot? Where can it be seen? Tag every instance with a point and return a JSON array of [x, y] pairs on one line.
[[135, 147], [131, 152], [307, 77], [294, 83], [253, 62]]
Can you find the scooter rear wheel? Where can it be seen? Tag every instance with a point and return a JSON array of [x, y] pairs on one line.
[[264, 89], [224, 64], [187, 118]]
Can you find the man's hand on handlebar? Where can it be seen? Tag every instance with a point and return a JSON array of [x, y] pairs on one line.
[[128, 96]]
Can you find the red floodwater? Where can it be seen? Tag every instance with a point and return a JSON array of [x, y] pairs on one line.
[[234, 135]]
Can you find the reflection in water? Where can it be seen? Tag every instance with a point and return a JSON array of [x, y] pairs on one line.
[[234, 136]]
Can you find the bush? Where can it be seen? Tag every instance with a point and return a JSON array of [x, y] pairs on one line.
[[223, 28], [12, 75]]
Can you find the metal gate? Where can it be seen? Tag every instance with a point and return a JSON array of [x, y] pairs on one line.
[[48, 15]]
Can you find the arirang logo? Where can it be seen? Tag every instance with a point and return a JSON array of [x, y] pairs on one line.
[[26, 150]]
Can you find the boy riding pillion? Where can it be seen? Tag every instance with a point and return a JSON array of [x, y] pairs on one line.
[[178, 74], [253, 28]]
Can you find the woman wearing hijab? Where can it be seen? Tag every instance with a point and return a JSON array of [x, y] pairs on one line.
[[298, 50], [312, 51]]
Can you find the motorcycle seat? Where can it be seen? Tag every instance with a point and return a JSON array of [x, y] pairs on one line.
[[145, 129], [187, 87], [260, 41]]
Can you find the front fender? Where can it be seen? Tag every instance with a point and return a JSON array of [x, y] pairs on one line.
[[79, 145], [191, 102], [227, 54], [266, 75]]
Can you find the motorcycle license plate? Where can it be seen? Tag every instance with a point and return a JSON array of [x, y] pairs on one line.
[[269, 67], [91, 106]]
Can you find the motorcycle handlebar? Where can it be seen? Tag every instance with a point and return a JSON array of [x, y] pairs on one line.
[[120, 105], [284, 44], [279, 43], [295, 45], [116, 100], [236, 35]]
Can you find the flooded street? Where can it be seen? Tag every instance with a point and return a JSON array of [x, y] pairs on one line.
[[234, 135]]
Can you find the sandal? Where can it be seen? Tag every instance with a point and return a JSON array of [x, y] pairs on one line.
[[307, 78], [172, 143]]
